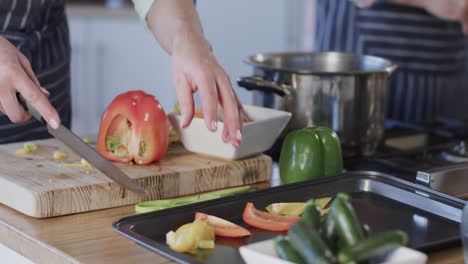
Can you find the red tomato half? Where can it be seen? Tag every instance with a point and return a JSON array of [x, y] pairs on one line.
[[133, 127], [267, 221], [223, 227]]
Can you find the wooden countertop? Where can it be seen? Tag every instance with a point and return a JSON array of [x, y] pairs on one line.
[[89, 238]]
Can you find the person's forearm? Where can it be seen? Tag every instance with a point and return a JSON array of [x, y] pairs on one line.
[[175, 20]]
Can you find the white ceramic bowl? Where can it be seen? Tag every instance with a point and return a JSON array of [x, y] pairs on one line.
[[257, 136]]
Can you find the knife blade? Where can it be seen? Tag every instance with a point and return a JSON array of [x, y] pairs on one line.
[[85, 151]]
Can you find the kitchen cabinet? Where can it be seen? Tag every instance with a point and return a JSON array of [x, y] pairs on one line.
[[112, 54], [113, 51]]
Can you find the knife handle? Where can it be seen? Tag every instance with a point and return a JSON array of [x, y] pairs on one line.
[[29, 108]]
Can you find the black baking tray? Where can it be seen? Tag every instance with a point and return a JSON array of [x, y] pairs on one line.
[[430, 218]]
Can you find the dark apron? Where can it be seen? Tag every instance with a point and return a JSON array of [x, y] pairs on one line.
[[39, 29], [430, 52]]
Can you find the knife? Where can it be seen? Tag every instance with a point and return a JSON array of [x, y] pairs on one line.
[[85, 151]]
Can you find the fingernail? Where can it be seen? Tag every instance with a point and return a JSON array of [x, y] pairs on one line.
[[239, 135], [235, 143], [45, 91], [214, 125], [53, 123]]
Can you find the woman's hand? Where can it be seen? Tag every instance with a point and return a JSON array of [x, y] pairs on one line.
[[195, 68], [177, 27], [16, 76]]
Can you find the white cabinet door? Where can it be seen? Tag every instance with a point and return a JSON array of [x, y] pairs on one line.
[[124, 56], [111, 56], [81, 98]]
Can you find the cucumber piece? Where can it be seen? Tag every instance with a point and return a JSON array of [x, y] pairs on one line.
[[225, 192], [308, 243], [312, 214], [286, 251], [373, 246], [348, 228]]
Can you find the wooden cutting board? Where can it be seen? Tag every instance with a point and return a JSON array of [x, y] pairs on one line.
[[38, 186]]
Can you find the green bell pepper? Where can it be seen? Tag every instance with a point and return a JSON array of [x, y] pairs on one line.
[[310, 153]]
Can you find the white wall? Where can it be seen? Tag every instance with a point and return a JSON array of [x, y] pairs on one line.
[[240, 28]]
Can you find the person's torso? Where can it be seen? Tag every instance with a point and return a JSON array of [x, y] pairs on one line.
[[411, 37]]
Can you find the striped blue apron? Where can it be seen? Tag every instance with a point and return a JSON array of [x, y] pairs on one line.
[[430, 53], [39, 29]]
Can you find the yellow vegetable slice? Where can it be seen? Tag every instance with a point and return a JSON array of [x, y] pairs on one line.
[[28, 148], [323, 202], [22, 152], [85, 163], [292, 209], [60, 155], [205, 244], [324, 211], [188, 236], [296, 209]]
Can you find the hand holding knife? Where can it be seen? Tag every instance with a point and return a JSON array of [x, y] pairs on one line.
[[85, 151]]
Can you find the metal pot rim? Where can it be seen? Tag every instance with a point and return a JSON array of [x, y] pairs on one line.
[[254, 60]]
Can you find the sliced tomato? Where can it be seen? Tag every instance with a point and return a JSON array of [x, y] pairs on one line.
[[223, 227], [267, 221]]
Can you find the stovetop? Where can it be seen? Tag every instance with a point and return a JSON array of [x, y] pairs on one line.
[[411, 147]]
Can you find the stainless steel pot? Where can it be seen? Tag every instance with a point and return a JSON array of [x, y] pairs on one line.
[[343, 91]]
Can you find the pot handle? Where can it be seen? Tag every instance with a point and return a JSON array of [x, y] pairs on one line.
[[259, 84]]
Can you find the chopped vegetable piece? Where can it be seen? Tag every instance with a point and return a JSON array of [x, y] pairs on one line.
[[188, 236], [223, 227], [267, 221], [308, 243], [206, 244], [133, 127], [173, 137], [286, 208], [22, 152], [87, 140], [30, 146], [373, 246], [323, 202], [348, 227], [286, 251], [60, 155], [85, 163], [155, 205]]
